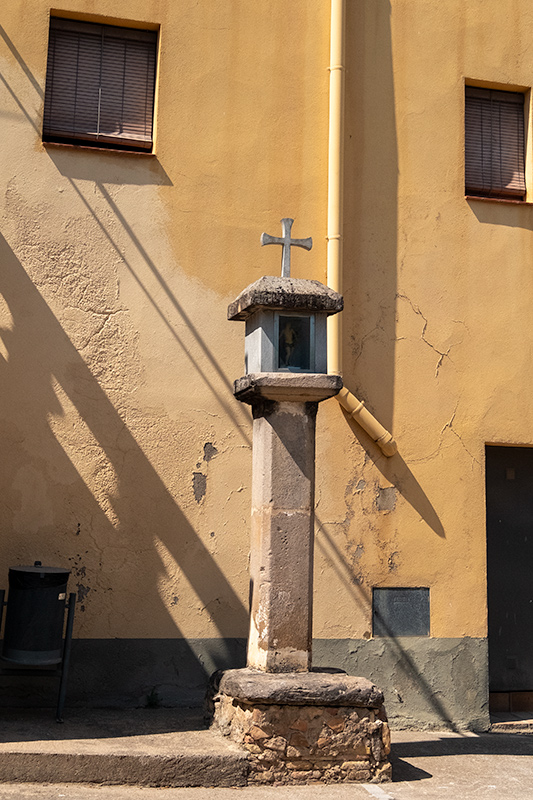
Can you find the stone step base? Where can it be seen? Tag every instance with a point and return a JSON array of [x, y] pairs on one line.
[[304, 727], [143, 747], [511, 722]]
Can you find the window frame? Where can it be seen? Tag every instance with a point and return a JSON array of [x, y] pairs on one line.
[[496, 164], [115, 86]]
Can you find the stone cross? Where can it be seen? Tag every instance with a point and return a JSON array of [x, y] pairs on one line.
[[287, 243]]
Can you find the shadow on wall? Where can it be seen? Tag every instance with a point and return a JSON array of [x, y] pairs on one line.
[[509, 214], [370, 233], [396, 471], [370, 208], [370, 279], [76, 165], [112, 168], [29, 75], [39, 356], [409, 666]]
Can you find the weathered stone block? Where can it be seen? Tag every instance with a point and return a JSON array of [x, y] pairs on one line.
[[277, 743], [299, 742], [299, 725], [286, 294], [306, 741], [359, 775], [299, 765], [258, 733], [335, 724]]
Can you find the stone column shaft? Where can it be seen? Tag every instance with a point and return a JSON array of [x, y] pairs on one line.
[[281, 568], [283, 510]]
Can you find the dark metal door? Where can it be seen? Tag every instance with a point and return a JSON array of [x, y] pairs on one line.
[[510, 567]]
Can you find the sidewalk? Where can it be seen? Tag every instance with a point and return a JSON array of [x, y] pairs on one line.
[[145, 745]]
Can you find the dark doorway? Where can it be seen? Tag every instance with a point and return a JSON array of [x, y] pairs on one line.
[[509, 476]]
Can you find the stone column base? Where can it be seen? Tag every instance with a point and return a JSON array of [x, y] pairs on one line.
[[304, 727]]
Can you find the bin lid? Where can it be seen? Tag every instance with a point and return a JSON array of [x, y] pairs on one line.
[[40, 569]]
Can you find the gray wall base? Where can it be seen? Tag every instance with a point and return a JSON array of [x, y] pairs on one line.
[[131, 673], [427, 682], [439, 683]]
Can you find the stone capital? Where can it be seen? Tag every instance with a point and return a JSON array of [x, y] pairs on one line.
[[279, 387], [285, 294]]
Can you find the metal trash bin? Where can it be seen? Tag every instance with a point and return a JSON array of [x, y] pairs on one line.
[[35, 615]]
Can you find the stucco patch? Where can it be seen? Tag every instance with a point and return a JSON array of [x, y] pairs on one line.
[[199, 485]]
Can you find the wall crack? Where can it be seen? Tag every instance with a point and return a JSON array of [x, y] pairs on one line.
[[441, 353]]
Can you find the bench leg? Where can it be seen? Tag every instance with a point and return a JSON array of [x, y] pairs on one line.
[[66, 657]]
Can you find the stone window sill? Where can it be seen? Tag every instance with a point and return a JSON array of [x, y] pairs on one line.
[[505, 200], [89, 148]]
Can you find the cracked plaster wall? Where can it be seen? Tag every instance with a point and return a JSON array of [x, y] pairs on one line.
[[125, 455], [124, 452], [438, 337]]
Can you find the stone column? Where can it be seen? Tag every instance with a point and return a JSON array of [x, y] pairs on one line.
[[283, 488]]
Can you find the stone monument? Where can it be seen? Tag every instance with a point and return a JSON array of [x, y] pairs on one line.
[[297, 723]]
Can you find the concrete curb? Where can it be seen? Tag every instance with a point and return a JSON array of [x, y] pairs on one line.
[[142, 747], [169, 771]]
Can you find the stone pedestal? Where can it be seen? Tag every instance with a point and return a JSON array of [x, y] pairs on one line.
[[297, 728]]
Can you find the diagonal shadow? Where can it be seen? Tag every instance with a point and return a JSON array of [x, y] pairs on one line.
[[150, 174], [404, 771], [109, 167], [502, 744], [39, 353], [510, 214], [344, 572], [19, 104], [177, 306], [396, 471], [27, 71]]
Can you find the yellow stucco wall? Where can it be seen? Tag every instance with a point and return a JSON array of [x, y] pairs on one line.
[[116, 271], [117, 356], [437, 337]]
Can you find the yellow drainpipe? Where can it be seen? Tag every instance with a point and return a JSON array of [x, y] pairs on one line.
[[350, 403]]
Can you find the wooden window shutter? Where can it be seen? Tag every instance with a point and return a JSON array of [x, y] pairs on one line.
[[494, 143], [100, 84]]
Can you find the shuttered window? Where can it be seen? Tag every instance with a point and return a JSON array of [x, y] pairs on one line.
[[100, 84], [494, 143]]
